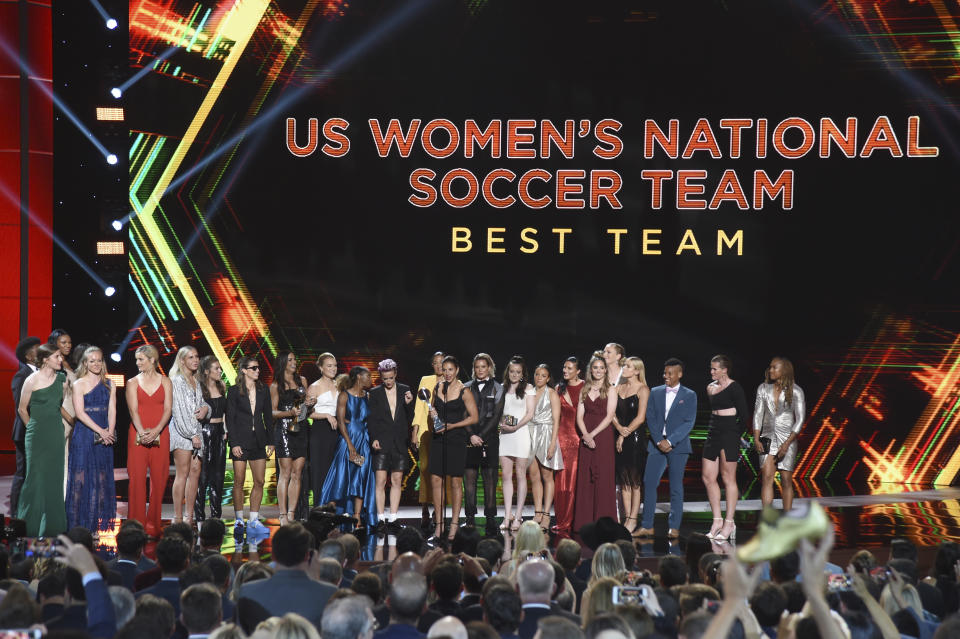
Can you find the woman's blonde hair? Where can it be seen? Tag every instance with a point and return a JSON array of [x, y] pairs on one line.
[[598, 598], [604, 387], [293, 626], [637, 363], [247, 572], [82, 370], [529, 539], [322, 357], [150, 352], [228, 631], [177, 369], [607, 562], [910, 597]]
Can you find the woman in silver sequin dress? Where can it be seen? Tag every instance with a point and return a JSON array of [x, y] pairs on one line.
[[544, 448], [777, 419], [186, 432]]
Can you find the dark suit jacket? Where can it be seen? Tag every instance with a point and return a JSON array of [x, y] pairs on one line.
[[683, 413], [399, 631], [392, 431], [246, 429], [533, 614], [437, 610], [289, 591], [489, 409], [168, 589], [16, 385], [128, 573]]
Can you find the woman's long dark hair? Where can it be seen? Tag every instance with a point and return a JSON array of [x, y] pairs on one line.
[[522, 385], [562, 384], [204, 376], [280, 371]]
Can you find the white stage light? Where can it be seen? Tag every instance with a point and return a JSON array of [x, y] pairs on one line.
[[116, 92], [111, 159], [115, 357], [111, 23], [109, 291], [117, 225]]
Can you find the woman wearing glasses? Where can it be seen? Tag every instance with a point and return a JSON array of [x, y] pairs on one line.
[[250, 432]]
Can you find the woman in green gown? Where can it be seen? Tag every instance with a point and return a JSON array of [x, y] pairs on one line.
[[41, 401]]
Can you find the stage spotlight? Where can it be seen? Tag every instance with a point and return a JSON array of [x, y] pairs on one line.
[[115, 357], [111, 159], [117, 225], [111, 23], [116, 92], [109, 291]]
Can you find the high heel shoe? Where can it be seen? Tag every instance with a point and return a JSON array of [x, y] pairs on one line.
[[454, 525], [728, 537], [438, 529], [515, 526], [715, 528]]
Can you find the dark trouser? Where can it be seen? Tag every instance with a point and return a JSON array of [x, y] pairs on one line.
[[18, 477], [211, 472], [488, 467], [322, 445]]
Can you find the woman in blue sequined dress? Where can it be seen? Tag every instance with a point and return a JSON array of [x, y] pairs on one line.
[[91, 500], [350, 483]]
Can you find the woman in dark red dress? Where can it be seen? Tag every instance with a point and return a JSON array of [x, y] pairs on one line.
[[596, 483], [565, 481]]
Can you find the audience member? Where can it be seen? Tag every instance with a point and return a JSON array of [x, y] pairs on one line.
[[156, 613], [568, 556], [200, 609], [673, 571], [503, 610], [406, 601], [124, 605], [130, 560], [221, 571], [173, 557], [348, 618], [328, 570], [351, 548], [558, 628], [449, 628], [535, 583], [597, 599], [446, 582]]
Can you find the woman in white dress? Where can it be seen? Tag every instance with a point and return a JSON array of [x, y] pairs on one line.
[[323, 435], [519, 402], [545, 457]]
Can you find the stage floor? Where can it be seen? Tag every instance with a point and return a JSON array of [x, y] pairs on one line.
[[869, 518]]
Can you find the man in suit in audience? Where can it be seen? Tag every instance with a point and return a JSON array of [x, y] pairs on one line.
[[200, 611], [173, 555], [290, 589], [503, 610], [536, 585], [406, 600], [671, 412], [27, 356], [131, 540]]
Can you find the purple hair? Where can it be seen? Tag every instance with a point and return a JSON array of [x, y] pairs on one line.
[[387, 365]]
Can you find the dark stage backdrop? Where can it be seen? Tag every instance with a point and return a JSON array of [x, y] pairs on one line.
[[684, 178]]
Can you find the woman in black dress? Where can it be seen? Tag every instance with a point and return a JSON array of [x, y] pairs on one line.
[[728, 419], [631, 457], [288, 397], [214, 435], [451, 410]]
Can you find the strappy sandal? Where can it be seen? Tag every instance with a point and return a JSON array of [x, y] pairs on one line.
[[438, 528], [505, 526], [515, 526], [626, 519], [291, 516], [543, 515], [454, 525], [282, 518]]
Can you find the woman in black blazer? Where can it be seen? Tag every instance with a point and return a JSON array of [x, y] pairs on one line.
[[250, 431]]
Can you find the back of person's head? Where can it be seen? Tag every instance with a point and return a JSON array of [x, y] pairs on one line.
[[143, 628], [173, 555], [54, 584], [351, 547], [446, 579], [535, 581], [247, 572], [629, 552], [234, 631], [903, 549], [82, 536], [860, 624], [669, 605], [910, 597], [598, 598], [471, 582], [130, 541], [18, 609], [347, 618], [294, 626], [796, 598], [124, 605], [183, 530], [691, 597], [637, 618], [367, 583], [409, 539], [75, 584], [219, 567], [559, 578], [672, 570], [447, 627], [290, 545], [906, 567], [491, 550], [785, 568], [481, 630], [334, 549], [863, 561], [607, 562], [329, 570], [466, 540], [694, 625], [949, 628], [606, 622], [407, 597], [568, 554], [502, 609], [201, 608], [212, 532], [698, 545], [768, 603], [157, 612], [199, 574], [558, 628]]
